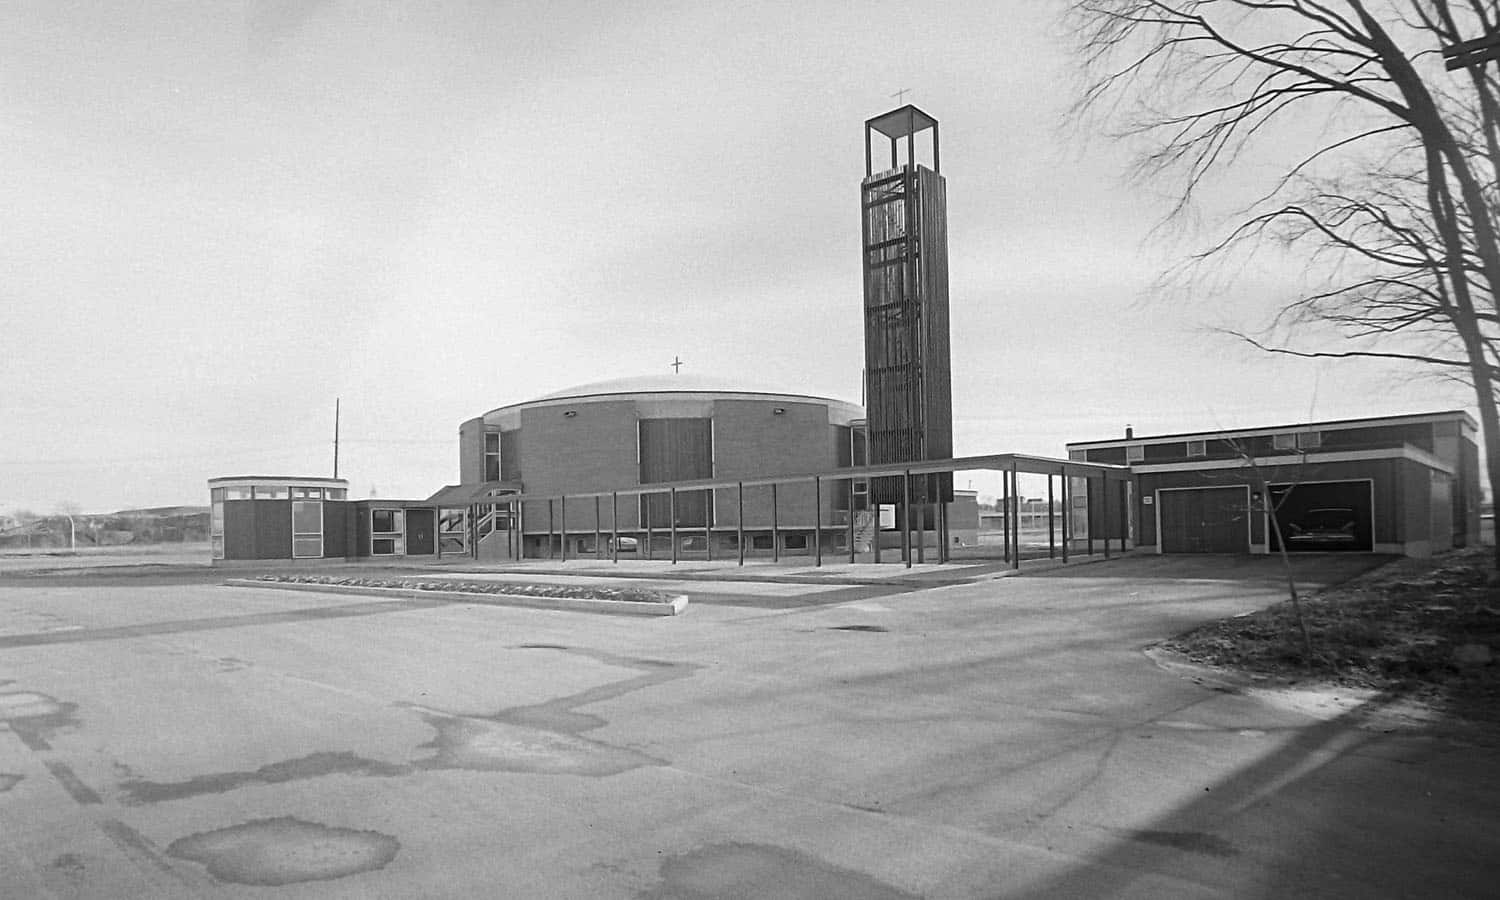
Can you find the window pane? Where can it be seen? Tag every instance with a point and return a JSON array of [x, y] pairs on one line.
[[492, 442], [216, 519], [383, 546], [307, 547], [307, 517], [218, 545], [216, 494], [337, 493], [237, 493], [271, 493], [385, 521]]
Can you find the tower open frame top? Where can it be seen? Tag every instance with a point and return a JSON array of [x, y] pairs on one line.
[[902, 122]]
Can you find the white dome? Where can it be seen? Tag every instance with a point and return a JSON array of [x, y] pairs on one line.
[[667, 384], [619, 388]]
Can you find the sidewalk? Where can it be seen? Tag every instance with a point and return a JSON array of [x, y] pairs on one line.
[[859, 573]]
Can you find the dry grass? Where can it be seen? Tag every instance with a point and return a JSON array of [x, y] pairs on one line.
[[1395, 629]]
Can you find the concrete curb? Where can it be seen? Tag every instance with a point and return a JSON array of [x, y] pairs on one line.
[[673, 607]]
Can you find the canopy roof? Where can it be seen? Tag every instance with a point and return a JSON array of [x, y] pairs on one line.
[[453, 496]]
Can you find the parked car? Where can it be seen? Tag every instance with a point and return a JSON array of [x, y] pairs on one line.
[[1333, 526]]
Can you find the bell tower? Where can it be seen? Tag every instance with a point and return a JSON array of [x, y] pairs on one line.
[[908, 390]]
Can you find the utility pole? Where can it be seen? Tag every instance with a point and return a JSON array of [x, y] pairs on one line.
[[335, 437]]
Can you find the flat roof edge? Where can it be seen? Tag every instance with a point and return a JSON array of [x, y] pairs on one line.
[[1329, 424]]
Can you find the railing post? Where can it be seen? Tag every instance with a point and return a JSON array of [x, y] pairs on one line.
[[906, 517], [598, 526], [1051, 522], [817, 521], [942, 530], [922, 525], [708, 518], [614, 526], [775, 527], [550, 524], [1004, 515], [739, 528], [672, 514], [1088, 498], [1067, 520], [1015, 497], [562, 537], [851, 521]]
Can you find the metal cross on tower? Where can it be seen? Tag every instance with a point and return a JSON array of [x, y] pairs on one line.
[[901, 95], [676, 365]]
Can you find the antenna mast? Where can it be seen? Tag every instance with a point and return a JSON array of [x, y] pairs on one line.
[[335, 437]]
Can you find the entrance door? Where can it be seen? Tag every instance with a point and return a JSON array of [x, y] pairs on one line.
[[1204, 520], [421, 532]]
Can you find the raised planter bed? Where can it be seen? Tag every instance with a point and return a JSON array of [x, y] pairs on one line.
[[616, 601]]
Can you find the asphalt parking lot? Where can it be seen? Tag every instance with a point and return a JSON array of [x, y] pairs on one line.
[[1002, 738]]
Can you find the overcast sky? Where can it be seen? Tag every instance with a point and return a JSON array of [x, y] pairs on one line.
[[217, 218]]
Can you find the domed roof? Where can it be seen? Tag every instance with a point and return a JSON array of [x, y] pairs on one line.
[[664, 384], [673, 384]]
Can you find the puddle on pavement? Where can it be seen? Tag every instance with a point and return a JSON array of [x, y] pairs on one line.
[[314, 765], [732, 871], [34, 717], [285, 851], [1191, 841]]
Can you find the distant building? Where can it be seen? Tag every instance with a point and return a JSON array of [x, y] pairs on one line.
[[630, 432], [1396, 484]]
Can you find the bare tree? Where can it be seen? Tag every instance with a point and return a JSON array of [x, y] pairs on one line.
[[1393, 199], [1259, 478]]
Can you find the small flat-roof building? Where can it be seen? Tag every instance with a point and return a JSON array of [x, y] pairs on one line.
[[263, 518], [1406, 484]]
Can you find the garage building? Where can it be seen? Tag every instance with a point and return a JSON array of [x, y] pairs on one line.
[[1397, 484]]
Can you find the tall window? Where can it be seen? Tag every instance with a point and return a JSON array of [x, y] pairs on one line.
[[676, 450], [216, 522], [387, 532], [307, 529], [492, 456]]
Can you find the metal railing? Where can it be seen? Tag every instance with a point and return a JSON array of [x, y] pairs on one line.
[[521, 507]]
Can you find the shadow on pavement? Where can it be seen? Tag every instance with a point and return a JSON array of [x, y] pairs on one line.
[[1342, 810]]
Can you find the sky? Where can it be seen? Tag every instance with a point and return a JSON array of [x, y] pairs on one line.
[[217, 219]]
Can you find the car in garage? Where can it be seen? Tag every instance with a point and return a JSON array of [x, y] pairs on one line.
[[1329, 527]]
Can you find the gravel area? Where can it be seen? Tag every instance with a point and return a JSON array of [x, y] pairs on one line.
[[512, 588]]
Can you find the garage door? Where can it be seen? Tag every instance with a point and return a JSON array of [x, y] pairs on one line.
[[1204, 520], [1324, 516]]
